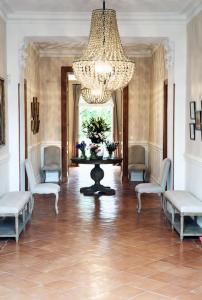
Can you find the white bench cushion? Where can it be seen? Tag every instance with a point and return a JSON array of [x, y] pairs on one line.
[[13, 202], [46, 188], [148, 188], [184, 201]]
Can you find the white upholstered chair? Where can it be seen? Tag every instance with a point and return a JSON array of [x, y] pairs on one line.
[[52, 161], [41, 188], [154, 187], [136, 160]]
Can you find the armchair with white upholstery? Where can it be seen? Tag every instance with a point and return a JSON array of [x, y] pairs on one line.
[[154, 187], [41, 188], [52, 162], [137, 161]]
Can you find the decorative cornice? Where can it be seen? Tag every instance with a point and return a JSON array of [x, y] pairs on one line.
[[3, 14], [183, 16], [169, 54], [86, 16], [192, 10], [22, 53]]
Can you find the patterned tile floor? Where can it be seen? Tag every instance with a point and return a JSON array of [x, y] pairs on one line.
[[99, 248]]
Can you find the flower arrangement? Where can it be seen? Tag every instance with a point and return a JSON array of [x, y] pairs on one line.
[[95, 129], [82, 148], [111, 147], [94, 151]]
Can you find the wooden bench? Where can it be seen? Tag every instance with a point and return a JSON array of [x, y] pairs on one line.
[[184, 208], [15, 211]]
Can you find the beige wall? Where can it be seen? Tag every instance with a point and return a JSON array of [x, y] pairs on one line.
[[158, 75], [4, 156], [157, 97], [139, 101], [31, 74], [50, 94], [146, 97]]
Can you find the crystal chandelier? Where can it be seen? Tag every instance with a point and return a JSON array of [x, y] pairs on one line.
[[104, 63], [95, 96]]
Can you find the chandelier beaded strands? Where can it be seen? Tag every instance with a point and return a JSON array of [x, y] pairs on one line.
[[93, 96], [104, 64]]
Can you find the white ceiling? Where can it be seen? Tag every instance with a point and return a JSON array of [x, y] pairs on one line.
[[137, 6]]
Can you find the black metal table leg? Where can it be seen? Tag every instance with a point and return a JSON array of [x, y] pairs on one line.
[[97, 174]]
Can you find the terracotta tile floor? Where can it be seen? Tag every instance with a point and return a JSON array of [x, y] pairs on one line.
[[99, 248]]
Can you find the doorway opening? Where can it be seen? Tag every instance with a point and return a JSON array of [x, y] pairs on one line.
[[87, 111]]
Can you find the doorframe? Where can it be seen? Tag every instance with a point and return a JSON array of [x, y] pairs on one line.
[[26, 130], [64, 125], [64, 122], [165, 119]]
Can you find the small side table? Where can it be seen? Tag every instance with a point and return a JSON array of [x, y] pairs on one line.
[[97, 174]]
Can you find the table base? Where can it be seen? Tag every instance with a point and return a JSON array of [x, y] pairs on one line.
[[97, 188]]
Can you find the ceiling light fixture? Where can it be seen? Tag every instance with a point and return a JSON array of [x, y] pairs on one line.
[[95, 96], [104, 64]]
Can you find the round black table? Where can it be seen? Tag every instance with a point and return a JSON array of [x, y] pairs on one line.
[[97, 174]]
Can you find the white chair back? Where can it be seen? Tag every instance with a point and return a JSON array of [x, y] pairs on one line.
[[52, 156], [30, 174], [136, 154], [165, 168]]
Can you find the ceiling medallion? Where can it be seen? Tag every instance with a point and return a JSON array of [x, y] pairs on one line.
[[104, 64]]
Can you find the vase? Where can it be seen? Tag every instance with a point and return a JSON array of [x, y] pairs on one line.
[[83, 154], [110, 154], [100, 152], [93, 155]]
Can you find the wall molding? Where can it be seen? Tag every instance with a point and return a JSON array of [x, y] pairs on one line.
[[50, 143], [4, 158], [86, 16], [196, 160], [193, 10], [33, 147]]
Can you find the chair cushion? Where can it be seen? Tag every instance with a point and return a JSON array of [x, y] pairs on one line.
[[51, 167], [13, 202], [184, 201], [136, 167], [46, 188], [148, 188]]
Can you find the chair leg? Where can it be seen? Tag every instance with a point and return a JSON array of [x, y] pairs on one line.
[[138, 202], [56, 203]]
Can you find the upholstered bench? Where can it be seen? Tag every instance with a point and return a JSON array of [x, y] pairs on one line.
[[184, 208], [15, 212]]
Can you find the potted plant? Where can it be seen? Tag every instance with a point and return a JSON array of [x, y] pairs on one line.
[[95, 129], [111, 147], [82, 148]]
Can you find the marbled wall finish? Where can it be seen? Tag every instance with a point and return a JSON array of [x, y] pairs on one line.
[[158, 75], [31, 74], [139, 101], [50, 94]]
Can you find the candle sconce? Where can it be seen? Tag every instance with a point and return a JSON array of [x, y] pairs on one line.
[[35, 122]]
